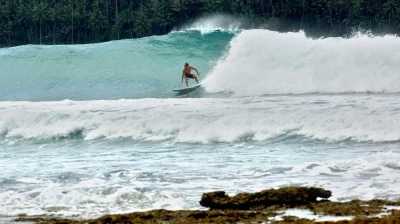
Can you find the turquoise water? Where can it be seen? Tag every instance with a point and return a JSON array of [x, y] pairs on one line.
[[87, 130], [147, 67]]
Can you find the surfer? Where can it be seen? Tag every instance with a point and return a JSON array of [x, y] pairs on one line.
[[187, 74]]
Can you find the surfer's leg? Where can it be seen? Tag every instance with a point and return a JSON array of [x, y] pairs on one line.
[[194, 77], [186, 81]]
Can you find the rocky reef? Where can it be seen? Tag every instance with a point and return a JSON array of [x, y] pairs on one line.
[[287, 197], [267, 206]]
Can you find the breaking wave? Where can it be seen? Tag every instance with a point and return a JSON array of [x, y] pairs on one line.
[[235, 59], [266, 62], [355, 118]]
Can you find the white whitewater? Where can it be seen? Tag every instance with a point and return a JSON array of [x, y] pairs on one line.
[[358, 118], [91, 158], [266, 62]]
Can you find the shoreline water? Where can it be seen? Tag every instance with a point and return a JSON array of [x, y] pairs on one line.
[[283, 205], [95, 158]]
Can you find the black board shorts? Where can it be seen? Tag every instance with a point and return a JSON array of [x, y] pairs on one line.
[[190, 76]]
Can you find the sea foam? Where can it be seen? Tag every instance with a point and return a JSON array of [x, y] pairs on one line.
[[328, 118]]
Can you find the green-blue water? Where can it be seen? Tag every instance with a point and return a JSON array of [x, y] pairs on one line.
[[147, 67], [92, 129]]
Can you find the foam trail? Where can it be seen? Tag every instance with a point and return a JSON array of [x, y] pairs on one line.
[[267, 62]]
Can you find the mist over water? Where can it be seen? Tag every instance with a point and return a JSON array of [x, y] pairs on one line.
[[87, 130], [216, 23]]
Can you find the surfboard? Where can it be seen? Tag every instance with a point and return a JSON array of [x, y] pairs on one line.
[[187, 89]]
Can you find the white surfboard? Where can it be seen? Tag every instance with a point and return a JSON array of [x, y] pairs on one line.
[[187, 89]]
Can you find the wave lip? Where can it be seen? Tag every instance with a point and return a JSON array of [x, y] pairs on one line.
[[266, 62]]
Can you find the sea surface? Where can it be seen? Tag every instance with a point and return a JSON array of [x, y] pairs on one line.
[[87, 130]]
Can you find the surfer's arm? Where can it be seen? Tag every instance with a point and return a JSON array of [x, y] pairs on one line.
[[197, 71]]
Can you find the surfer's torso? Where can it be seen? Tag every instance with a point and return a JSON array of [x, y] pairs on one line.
[[188, 71]]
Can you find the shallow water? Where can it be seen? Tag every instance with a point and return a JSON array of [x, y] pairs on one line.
[[96, 157]]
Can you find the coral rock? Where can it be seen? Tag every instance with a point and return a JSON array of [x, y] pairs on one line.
[[288, 196]]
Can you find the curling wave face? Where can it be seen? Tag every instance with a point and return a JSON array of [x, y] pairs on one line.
[[147, 67]]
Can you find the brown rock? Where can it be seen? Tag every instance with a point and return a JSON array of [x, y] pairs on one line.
[[288, 196]]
